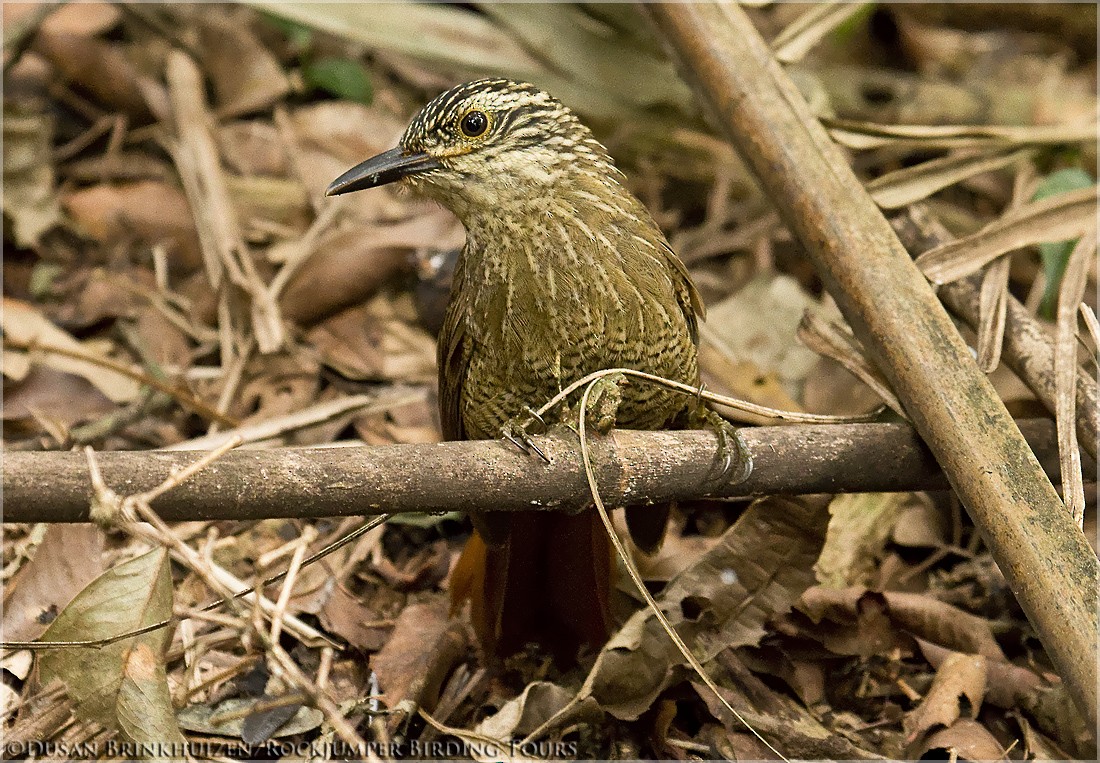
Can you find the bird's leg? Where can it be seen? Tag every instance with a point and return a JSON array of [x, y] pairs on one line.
[[516, 431], [734, 454]]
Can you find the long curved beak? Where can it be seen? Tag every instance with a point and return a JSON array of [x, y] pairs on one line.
[[378, 170]]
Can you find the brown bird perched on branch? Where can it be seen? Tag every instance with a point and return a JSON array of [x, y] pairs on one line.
[[564, 273]]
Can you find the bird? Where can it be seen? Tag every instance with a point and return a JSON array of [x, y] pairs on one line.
[[564, 272]]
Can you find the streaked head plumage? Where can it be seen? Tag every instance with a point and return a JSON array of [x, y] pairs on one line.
[[489, 140]]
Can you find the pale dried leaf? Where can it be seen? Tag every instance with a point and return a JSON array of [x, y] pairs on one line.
[[992, 308], [245, 75], [869, 135], [734, 326], [29, 199], [1057, 218], [540, 701], [123, 685], [957, 691], [858, 529], [965, 740], [23, 324]]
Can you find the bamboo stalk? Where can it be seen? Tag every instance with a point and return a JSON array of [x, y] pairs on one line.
[[898, 318]]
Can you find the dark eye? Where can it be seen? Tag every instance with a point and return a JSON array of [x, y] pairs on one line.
[[474, 124]]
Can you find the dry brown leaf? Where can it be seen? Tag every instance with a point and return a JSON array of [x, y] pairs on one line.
[[347, 617], [734, 326], [957, 691], [920, 524], [758, 569], [424, 646], [347, 266], [966, 739], [68, 559], [920, 614], [46, 395], [99, 67], [152, 212], [802, 34], [245, 75], [1057, 218], [252, 147], [539, 702]]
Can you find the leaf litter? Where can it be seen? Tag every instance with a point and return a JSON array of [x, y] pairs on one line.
[[166, 217]]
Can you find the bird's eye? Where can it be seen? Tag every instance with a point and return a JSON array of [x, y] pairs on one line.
[[474, 124]]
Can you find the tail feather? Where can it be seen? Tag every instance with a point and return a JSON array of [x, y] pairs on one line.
[[548, 582]]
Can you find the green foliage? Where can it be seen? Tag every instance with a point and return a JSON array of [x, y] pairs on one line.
[[1055, 254], [341, 77]]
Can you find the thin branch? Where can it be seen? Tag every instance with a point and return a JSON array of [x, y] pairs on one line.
[[632, 468]]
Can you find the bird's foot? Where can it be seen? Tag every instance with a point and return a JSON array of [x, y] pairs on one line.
[[517, 432], [732, 451], [604, 399]]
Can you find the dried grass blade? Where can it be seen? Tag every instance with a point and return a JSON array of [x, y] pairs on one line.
[[1092, 326], [1070, 293], [800, 36], [905, 186], [869, 135], [1058, 218], [992, 309]]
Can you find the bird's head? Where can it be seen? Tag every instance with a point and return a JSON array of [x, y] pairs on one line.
[[484, 145]]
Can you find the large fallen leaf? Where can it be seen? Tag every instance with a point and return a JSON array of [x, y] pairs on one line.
[[758, 569], [200, 718], [920, 614], [69, 557], [149, 211], [123, 685], [24, 325], [540, 701]]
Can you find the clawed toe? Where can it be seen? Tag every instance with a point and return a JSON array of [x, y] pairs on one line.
[[734, 452], [516, 433]]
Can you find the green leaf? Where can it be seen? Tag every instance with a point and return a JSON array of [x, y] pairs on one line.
[[298, 35], [124, 685], [341, 77], [1055, 254]]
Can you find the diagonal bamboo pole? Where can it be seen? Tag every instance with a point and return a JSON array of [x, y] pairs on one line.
[[894, 312]]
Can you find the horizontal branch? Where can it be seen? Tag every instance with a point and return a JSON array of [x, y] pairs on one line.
[[632, 467]]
